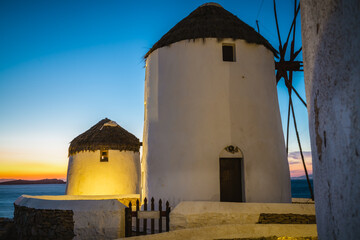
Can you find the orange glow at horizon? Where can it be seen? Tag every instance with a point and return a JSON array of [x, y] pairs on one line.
[[39, 170], [296, 165], [32, 171]]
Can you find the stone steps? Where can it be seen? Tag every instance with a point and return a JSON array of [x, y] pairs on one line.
[[201, 214], [241, 221], [240, 232]]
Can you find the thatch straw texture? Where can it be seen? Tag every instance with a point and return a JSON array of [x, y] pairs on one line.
[[211, 21], [101, 137]]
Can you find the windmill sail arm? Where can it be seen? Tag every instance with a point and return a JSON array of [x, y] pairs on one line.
[[289, 65]]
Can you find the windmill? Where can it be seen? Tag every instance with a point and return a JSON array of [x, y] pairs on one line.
[[285, 70]]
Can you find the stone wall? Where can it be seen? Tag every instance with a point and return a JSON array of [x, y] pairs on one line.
[[266, 218], [7, 229], [34, 223], [71, 217]]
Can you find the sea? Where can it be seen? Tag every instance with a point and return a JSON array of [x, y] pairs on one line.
[[9, 193]]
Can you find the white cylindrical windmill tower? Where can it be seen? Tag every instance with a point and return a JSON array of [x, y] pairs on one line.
[[212, 126], [104, 160]]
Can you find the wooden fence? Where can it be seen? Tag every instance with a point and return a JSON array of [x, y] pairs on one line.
[[144, 216]]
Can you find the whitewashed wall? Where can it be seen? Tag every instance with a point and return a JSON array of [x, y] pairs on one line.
[[195, 105], [102, 218], [331, 44], [88, 176]]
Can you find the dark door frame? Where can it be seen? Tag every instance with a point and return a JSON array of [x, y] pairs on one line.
[[240, 198]]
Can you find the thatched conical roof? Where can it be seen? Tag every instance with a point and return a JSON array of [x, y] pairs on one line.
[[211, 20], [106, 134]]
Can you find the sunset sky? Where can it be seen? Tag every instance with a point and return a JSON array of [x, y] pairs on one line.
[[65, 65]]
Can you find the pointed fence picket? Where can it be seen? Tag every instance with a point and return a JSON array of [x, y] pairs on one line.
[[144, 216]]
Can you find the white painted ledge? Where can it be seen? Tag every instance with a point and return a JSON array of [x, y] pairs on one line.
[[95, 217], [200, 214]]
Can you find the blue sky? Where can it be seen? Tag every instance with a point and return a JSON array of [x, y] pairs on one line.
[[65, 65]]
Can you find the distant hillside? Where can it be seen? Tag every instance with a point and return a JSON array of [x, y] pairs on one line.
[[6, 180], [43, 181]]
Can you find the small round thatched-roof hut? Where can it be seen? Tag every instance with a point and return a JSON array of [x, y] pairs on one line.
[[105, 135], [104, 160]]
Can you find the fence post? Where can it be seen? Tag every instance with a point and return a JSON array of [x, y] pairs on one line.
[[128, 221], [152, 220], [145, 219], [137, 219], [167, 216], [160, 219], [129, 214]]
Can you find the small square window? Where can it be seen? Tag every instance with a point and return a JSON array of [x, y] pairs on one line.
[[104, 156], [228, 52]]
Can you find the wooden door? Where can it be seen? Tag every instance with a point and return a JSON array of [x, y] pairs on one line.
[[230, 180]]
